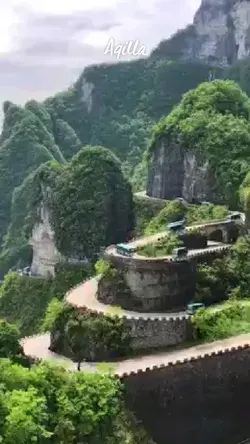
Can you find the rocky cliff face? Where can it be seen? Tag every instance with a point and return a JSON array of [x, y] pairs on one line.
[[220, 34], [45, 253], [174, 172]]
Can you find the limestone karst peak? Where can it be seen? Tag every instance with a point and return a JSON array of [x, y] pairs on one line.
[[219, 35]]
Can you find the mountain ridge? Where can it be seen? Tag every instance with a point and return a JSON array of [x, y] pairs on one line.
[[219, 35]]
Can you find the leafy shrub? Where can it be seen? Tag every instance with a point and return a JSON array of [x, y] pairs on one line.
[[145, 210], [172, 212], [47, 404], [163, 247], [24, 300], [107, 270], [90, 336], [193, 215], [205, 213], [9, 340], [53, 310], [230, 319]]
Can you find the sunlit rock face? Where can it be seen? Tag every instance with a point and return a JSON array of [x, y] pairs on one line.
[[220, 34], [223, 28], [174, 172], [45, 253]]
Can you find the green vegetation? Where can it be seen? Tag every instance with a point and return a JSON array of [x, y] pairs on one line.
[[9, 341], [49, 405], [201, 214], [229, 319], [162, 247], [54, 309], [193, 215], [145, 209], [90, 336], [214, 281], [213, 121], [92, 204], [24, 300], [25, 144], [56, 129], [106, 269], [87, 209], [26, 202], [226, 278], [59, 127], [245, 198], [172, 212]]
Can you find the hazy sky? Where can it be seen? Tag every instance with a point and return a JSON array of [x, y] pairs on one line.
[[44, 44]]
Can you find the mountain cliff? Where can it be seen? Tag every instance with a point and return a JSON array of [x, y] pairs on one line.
[[117, 105], [201, 151], [219, 35]]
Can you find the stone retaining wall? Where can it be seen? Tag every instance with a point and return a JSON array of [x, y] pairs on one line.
[[158, 333], [157, 284], [149, 285], [201, 400], [145, 334]]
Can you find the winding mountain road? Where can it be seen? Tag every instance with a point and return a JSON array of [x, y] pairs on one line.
[[84, 295], [37, 346]]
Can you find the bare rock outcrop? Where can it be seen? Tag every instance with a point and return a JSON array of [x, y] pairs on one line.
[[219, 35]]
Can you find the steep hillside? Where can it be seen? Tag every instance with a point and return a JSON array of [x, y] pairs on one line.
[[114, 106], [201, 151], [30, 137], [88, 201], [219, 35], [110, 105]]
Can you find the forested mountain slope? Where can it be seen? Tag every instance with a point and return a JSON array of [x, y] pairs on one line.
[[114, 106], [110, 105]]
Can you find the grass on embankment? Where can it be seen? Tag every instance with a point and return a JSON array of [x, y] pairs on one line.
[[163, 247], [222, 321], [193, 214]]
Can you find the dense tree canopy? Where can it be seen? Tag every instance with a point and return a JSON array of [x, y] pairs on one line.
[[92, 203], [213, 120], [26, 144], [176, 210], [49, 405], [24, 301], [127, 99]]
